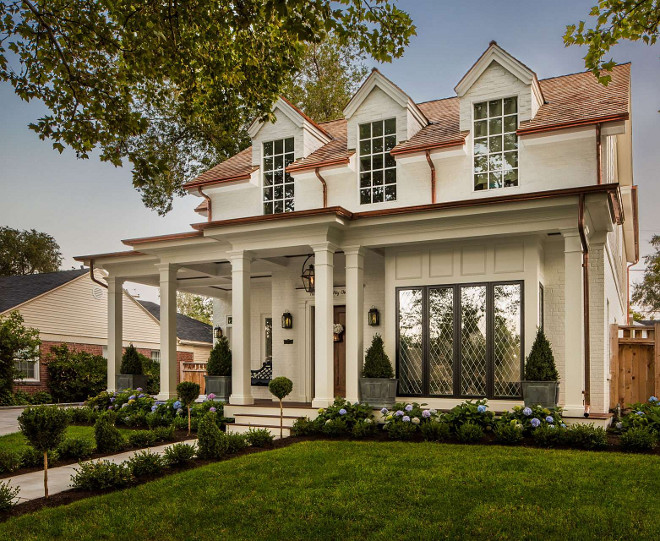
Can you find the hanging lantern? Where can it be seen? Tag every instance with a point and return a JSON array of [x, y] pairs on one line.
[[287, 320], [374, 317], [218, 332], [308, 276]]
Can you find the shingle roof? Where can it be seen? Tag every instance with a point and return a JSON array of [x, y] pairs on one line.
[[570, 100], [187, 328], [15, 290]]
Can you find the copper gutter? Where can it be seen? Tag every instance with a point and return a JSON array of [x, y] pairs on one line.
[[585, 301], [325, 187], [209, 207], [636, 235], [127, 253], [421, 148], [430, 161], [91, 275], [293, 168], [161, 238], [573, 124], [226, 180]]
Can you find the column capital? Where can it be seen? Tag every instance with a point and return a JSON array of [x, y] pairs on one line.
[[325, 246], [353, 250], [354, 257], [234, 255], [167, 267], [572, 241], [114, 281]]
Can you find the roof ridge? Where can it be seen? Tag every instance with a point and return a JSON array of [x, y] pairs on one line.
[[580, 72]]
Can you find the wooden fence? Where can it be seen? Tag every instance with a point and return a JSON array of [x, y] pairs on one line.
[[195, 372], [634, 364]]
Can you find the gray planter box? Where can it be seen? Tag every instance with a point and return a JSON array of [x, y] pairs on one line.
[[131, 381], [220, 386], [544, 393], [378, 392]]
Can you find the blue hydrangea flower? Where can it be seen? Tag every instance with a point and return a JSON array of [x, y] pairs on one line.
[[426, 414], [551, 426], [527, 412], [212, 409], [563, 425], [384, 411], [653, 399], [141, 395], [112, 399], [549, 419], [408, 407], [176, 405], [179, 411], [132, 397], [399, 413], [406, 419], [210, 396], [124, 405], [481, 408], [342, 411], [139, 389], [535, 422], [109, 407], [154, 408], [639, 413]]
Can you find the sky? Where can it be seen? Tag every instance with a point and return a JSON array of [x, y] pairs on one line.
[[90, 206]]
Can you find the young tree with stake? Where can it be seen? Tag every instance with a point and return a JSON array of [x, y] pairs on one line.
[[188, 393]]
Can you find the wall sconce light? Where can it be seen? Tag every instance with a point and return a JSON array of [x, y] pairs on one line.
[[307, 276], [287, 320], [218, 332], [374, 317]]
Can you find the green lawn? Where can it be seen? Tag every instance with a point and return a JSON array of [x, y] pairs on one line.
[[17, 442], [363, 490]]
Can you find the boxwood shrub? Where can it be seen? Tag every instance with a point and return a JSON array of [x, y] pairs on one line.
[[146, 463], [179, 453], [101, 475], [639, 439], [75, 448]]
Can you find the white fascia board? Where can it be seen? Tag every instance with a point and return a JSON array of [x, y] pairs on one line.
[[375, 79], [294, 116], [436, 155], [495, 54], [613, 128], [558, 136]]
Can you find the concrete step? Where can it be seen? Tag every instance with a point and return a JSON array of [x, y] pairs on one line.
[[255, 420], [241, 428], [253, 411]]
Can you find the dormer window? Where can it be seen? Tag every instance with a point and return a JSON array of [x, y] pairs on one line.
[[495, 144], [278, 184], [377, 165]]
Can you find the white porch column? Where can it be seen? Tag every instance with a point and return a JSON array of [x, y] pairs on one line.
[[572, 380], [115, 328], [168, 339], [323, 345], [354, 319], [241, 391]]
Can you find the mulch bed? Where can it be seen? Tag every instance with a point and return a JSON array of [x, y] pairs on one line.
[[179, 436]]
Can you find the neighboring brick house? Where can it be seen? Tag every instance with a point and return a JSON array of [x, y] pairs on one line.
[[69, 308]]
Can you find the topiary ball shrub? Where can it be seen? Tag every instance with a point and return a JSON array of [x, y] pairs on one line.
[[8, 495], [376, 363], [259, 437], [179, 454], [107, 435], [540, 363], [639, 439], [219, 363], [435, 431], [211, 441], [75, 448], [131, 362], [145, 464], [101, 475], [469, 433], [280, 387], [509, 433], [188, 392]]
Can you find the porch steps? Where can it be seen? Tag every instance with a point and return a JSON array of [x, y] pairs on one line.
[[266, 416]]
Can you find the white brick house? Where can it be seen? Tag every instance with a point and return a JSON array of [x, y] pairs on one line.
[[464, 221]]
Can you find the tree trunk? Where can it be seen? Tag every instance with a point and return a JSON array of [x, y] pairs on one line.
[[281, 417], [46, 473]]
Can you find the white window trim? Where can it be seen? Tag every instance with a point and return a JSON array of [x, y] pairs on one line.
[[380, 118], [262, 171], [37, 367], [498, 96]]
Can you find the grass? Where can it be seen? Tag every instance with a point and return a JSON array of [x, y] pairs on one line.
[[358, 490], [17, 442]]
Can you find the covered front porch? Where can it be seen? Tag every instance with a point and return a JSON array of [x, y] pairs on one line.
[[459, 295]]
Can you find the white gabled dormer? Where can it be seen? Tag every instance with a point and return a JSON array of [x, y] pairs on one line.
[[379, 99], [497, 74]]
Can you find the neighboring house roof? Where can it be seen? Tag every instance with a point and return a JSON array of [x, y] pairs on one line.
[[570, 100], [187, 328], [16, 290]]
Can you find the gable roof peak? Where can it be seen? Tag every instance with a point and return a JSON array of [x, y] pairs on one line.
[[294, 114], [495, 53]]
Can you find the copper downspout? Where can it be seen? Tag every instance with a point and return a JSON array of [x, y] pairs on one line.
[[209, 210], [599, 151], [91, 275], [430, 161], [585, 301], [325, 186]]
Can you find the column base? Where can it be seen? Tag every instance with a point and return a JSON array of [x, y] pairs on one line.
[[166, 396], [241, 400], [322, 402], [573, 411]]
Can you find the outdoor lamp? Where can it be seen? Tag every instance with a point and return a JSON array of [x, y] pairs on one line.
[[374, 317], [308, 276], [218, 332], [287, 320]]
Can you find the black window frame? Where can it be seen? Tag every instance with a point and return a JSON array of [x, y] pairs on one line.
[[456, 367]]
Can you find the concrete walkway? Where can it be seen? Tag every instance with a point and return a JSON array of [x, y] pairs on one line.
[[9, 420], [59, 478]]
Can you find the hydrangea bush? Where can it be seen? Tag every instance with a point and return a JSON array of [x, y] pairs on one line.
[[642, 414], [527, 419], [404, 420], [470, 411]]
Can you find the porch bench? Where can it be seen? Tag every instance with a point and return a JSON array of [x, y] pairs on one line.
[[262, 376]]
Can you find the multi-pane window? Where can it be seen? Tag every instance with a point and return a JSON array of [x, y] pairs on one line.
[[495, 144], [155, 355], [377, 165], [27, 369], [278, 184], [460, 340]]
